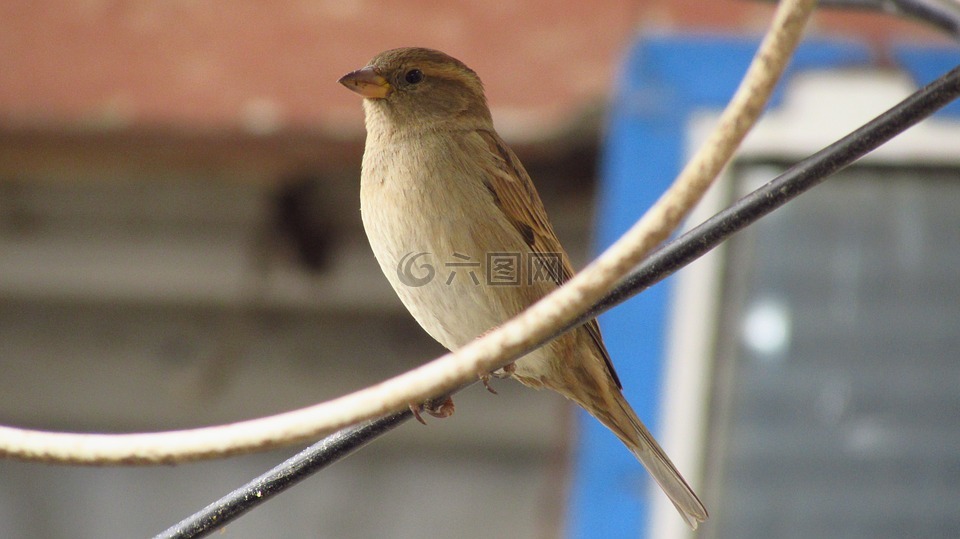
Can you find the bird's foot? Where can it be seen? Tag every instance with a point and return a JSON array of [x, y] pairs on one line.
[[505, 372], [439, 408], [485, 379]]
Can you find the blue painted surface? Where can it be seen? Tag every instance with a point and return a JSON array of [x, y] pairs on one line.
[[662, 82], [925, 64]]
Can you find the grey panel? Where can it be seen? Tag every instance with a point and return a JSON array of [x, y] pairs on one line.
[[837, 408]]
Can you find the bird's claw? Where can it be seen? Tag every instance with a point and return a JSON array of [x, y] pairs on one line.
[[506, 372], [485, 379], [439, 408], [415, 408]]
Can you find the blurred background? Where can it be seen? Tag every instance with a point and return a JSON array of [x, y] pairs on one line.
[[180, 245]]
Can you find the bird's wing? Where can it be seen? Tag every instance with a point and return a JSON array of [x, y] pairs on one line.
[[515, 195]]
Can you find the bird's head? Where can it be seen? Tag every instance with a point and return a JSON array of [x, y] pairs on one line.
[[420, 87]]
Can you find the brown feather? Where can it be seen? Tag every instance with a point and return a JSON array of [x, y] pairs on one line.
[[515, 195]]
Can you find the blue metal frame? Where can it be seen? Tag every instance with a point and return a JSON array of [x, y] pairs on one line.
[[664, 80]]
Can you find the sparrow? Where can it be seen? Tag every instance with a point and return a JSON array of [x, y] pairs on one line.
[[439, 186]]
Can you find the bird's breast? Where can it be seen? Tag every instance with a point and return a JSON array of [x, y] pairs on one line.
[[444, 245]]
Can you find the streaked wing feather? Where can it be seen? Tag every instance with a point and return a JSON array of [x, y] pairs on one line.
[[514, 193]]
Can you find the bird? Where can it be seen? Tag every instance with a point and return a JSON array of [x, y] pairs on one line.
[[439, 186]]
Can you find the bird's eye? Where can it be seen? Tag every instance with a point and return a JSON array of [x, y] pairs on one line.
[[413, 76]]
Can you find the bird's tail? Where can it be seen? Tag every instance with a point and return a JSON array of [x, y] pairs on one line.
[[632, 432], [604, 401]]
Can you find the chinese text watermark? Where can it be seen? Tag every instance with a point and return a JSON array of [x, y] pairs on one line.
[[417, 269]]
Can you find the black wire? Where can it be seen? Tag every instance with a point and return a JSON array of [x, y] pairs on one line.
[[658, 266], [283, 476], [942, 14]]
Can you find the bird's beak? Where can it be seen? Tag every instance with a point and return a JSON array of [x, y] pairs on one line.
[[367, 82]]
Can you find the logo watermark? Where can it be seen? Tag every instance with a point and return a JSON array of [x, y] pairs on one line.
[[413, 275], [419, 268]]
